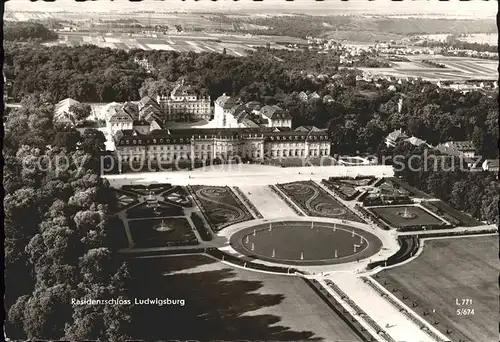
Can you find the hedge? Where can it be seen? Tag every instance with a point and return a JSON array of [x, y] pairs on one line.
[[200, 226]]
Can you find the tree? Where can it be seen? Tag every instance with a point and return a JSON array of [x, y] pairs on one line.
[[81, 111], [46, 312], [66, 137], [26, 30], [151, 87], [93, 142], [478, 137], [15, 322]]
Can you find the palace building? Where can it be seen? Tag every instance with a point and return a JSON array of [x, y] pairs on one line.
[[166, 146], [183, 104]]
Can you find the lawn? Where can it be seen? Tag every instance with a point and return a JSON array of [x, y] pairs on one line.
[[315, 201], [391, 214], [145, 234], [451, 269], [220, 206], [225, 303]]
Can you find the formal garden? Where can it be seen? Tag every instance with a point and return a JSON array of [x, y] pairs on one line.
[[315, 201], [150, 233], [407, 217], [220, 206], [348, 188]]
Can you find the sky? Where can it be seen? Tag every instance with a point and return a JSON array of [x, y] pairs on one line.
[[454, 8]]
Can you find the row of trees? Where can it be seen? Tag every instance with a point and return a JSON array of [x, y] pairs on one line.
[[476, 193], [59, 233]]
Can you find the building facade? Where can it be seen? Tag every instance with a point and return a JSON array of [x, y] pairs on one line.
[[183, 104], [166, 146]]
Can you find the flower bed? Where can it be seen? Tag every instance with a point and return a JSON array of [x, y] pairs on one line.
[[220, 206], [315, 201]]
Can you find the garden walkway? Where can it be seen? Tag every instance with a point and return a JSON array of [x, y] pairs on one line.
[[387, 316]]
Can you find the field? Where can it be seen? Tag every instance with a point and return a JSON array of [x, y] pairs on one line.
[[457, 68], [315, 201], [393, 216], [196, 42], [451, 270], [145, 234], [220, 206], [224, 303], [306, 243]]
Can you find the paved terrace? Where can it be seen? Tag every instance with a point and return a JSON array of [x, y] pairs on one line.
[[246, 174]]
